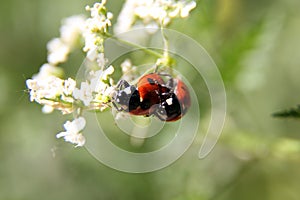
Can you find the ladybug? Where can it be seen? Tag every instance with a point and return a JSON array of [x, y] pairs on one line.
[[175, 103], [152, 96], [138, 100]]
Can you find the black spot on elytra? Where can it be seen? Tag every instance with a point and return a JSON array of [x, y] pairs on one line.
[[151, 81]]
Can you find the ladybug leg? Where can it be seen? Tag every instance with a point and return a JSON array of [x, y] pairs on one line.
[[165, 74], [170, 83], [160, 113], [120, 94], [119, 109], [122, 83]]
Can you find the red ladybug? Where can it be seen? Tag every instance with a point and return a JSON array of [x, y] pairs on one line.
[[138, 100], [175, 103], [168, 102], [149, 88]]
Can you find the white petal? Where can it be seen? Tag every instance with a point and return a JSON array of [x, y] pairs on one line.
[[61, 134], [80, 140], [101, 60], [47, 109], [69, 127], [186, 9], [76, 93], [31, 84], [110, 15], [87, 100], [75, 126], [71, 29], [79, 123], [92, 54], [69, 86], [110, 70]]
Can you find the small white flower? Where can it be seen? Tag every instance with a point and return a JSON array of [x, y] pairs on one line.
[[48, 88], [148, 11], [95, 78], [72, 133], [49, 91], [187, 9], [128, 70], [109, 71], [174, 13], [94, 32], [52, 87], [69, 86], [101, 60], [126, 17], [47, 109], [101, 75], [71, 29], [101, 86], [91, 50], [47, 70], [33, 87], [126, 65], [84, 93], [99, 79], [100, 19], [57, 51], [97, 8], [93, 44], [97, 24], [109, 15], [109, 91]]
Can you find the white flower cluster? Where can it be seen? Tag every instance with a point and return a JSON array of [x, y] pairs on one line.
[[128, 70], [97, 92], [46, 88], [72, 133], [55, 93], [49, 90], [70, 32], [95, 29], [152, 13]]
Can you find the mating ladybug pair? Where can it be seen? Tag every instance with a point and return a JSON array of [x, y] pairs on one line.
[[168, 101]]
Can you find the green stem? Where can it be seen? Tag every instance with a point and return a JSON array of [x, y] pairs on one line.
[[147, 50], [168, 61], [166, 43]]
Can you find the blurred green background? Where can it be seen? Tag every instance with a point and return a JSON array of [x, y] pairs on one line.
[[256, 46]]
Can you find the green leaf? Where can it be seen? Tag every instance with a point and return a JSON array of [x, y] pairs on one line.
[[291, 113]]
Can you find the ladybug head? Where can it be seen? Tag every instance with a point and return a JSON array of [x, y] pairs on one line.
[[169, 109], [127, 96]]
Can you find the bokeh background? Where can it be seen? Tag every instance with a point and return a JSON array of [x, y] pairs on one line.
[[256, 46]]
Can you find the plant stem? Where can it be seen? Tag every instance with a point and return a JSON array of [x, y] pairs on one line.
[[147, 50], [166, 43], [167, 60]]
